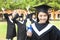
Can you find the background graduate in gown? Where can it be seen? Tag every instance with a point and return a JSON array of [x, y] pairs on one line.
[[33, 17], [21, 28], [11, 30]]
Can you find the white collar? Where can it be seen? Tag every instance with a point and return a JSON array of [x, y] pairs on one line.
[[10, 20], [42, 31], [21, 22]]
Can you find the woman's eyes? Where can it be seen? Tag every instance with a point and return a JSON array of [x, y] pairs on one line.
[[43, 15], [40, 15]]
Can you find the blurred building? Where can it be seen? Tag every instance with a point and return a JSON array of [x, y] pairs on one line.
[[11, 11], [53, 15]]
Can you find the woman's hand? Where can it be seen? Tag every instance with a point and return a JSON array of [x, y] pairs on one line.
[[29, 33]]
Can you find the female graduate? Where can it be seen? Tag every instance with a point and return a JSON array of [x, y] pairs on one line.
[[33, 17], [21, 28], [42, 29], [11, 30]]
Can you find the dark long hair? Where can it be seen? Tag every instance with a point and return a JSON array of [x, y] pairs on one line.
[[44, 12]]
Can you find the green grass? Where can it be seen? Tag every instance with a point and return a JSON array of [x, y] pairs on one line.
[[56, 23], [3, 28]]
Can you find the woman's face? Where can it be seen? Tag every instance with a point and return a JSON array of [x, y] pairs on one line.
[[33, 16], [42, 17]]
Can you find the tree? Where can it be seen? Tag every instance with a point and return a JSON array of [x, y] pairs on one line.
[[22, 4]]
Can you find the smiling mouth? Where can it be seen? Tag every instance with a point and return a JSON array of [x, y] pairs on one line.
[[42, 19]]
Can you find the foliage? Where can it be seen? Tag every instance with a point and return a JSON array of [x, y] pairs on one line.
[[22, 4]]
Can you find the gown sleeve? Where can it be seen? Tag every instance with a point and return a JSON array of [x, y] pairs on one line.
[[54, 34], [6, 16], [14, 19]]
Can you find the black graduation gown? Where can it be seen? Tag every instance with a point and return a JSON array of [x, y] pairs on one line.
[[21, 29], [51, 34], [11, 30], [58, 35]]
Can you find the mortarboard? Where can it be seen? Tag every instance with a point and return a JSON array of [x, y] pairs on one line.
[[42, 8]]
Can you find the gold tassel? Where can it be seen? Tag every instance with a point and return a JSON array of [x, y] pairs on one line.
[[53, 14]]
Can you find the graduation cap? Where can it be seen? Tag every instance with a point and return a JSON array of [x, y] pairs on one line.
[[42, 8]]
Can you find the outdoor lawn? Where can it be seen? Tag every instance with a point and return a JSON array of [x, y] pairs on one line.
[[3, 29]]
